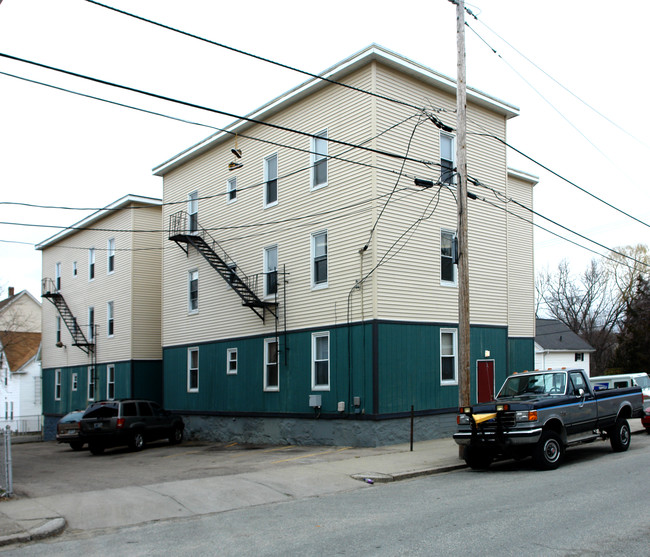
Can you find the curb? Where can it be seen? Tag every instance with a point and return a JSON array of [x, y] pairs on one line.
[[52, 527], [377, 477]]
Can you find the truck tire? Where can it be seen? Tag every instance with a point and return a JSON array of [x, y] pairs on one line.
[[549, 451], [619, 436], [477, 458], [96, 448]]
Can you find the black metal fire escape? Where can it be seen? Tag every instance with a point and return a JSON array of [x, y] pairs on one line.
[[51, 292], [185, 229]]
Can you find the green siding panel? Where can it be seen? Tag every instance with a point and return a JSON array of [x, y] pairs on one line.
[[521, 354]]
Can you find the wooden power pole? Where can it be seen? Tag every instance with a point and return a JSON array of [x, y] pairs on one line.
[[461, 165]]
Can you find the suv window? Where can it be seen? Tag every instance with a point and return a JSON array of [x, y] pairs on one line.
[[145, 409], [128, 409], [102, 411], [157, 409]]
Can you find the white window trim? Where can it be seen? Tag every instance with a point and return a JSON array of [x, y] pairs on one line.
[[189, 368], [110, 252], [267, 387], [92, 264], [74, 382], [455, 341], [109, 382], [57, 384], [91, 324], [314, 386], [325, 284], [110, 316], [229, 189], [190, 310], [91, 381], [453, 153], [448, 283], [57, 276], [229, 353], [264, 274], [266, 179], [74, 269], [58, 332], [313, 160]]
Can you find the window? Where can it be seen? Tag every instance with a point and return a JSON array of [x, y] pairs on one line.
[[110, 319], [91, 324], [319, 160], [193, 211], [231, 189], [58, 329], [271, 369], [580, 357], [231, 361], [91, 263], [447, 259], [320, 361], [74, 381], [193, 370], [448, 349], [57, 384], [74, 268], [193, 292], [91, 383], [447, 161], [110, 382], [110, 263], [319, 259], [57, 276], [271, 179], [271, 271]]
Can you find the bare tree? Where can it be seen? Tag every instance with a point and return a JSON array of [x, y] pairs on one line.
[[627, 269], [587, 304]]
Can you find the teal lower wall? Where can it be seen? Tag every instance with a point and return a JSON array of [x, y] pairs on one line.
[[393, 366], [521, 354]]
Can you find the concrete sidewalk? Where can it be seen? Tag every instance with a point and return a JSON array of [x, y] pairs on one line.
[[27, 519]]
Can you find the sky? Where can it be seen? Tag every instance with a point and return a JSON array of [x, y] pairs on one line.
[[582, 109]]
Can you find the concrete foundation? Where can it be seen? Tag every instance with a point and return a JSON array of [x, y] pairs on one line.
[[294, 431]]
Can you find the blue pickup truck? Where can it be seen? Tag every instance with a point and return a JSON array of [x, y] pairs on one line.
[[541, 413]]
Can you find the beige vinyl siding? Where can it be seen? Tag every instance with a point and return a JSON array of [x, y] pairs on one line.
[[521, 270], [22, 314]]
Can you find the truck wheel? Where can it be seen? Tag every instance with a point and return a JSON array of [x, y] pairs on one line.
[[619, 436], [476, 458], [549, 452], [96, 448]]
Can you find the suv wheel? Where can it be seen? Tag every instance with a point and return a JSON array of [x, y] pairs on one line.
[[96, 448], [137, 441], [176, 435]]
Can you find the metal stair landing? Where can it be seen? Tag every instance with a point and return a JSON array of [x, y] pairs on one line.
[[244, 286]]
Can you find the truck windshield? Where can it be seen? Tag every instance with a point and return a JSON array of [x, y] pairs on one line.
[[534, 385]]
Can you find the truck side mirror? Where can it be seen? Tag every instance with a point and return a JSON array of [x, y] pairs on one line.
[[581, 392]]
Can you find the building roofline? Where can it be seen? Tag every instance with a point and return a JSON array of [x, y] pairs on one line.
[[525, 176], [371, 53], [98, 215]]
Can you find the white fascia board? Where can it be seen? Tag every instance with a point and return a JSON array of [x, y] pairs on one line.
[[525, 176], [98, 215], [336, 73]]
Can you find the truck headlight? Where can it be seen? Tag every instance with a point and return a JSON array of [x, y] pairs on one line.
[[526, 416], [462, 419]]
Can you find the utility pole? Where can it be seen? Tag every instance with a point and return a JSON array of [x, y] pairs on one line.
[[461, 166]]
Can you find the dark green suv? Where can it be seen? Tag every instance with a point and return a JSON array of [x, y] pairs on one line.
[[132, 422]]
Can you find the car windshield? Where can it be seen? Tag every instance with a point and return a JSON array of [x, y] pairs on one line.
[[72, 417], [534, 384], [102, 411]]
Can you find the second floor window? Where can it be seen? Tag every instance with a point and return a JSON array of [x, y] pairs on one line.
[[231, 189], [110, 263], [447, 261], [193, 211], [58, 329], [319, 160], [110, 319], [91, 324], [271, 180], [91, 263], [319, 259], [271, 271], [193, 291]]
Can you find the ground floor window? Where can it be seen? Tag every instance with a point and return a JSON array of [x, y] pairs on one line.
[[91, 383], [231, 361], [271, 367], [448, 360], [193, 370], [320, 361], [110, 382]]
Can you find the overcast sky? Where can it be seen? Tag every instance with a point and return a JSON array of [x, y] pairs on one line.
[[64, 150]]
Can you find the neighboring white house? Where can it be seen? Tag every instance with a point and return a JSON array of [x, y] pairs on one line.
[[20, 365], [556, 346]]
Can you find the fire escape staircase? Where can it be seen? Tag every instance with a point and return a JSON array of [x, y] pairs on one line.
[[51, 293], [244, 286]]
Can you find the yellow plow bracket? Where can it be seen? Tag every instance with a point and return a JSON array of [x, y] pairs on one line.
[[480, 418]]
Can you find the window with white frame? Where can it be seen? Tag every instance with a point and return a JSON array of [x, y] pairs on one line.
[[271, 271], [91, 382], [91, 324], [271, 180], [447, 159], [74, 268], [231, 189], [271, 365], [110, 319], [320, 361], [319, 259], [193, 211], [231, 361], [74, 382], [110, 262], [57, 276], [319, 160], [192, 370], [447, 259], [91, 264], [57, 384], [110, 382], [448, 359], [58, 329], [193, 291]]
